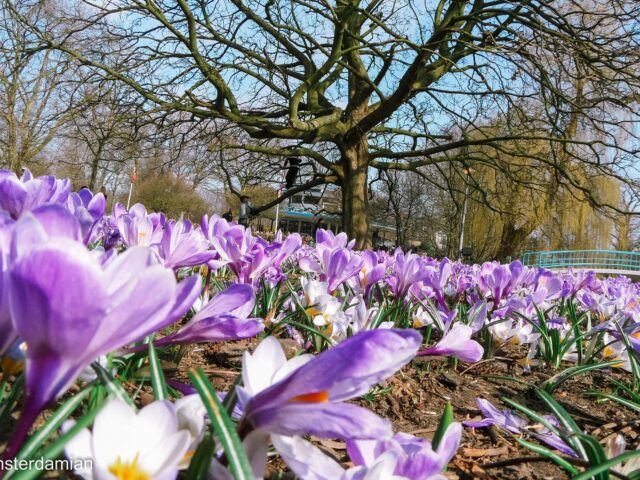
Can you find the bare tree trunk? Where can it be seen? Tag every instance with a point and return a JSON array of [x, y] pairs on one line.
[[95, 164], [12, 158], [355, 198], [512, 240]]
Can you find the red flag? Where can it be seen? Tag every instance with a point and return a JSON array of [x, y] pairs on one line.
[[134, 176]]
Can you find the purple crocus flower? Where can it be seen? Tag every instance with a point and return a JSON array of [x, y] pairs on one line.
[[232, 243], [182, 245], [7, 333], [578, 280], [306, 395], [506, 419], [19, 195], [247, 256], [333, 266], [340, 265], [438, 281], [224, 317], [371, 273], [548, 287], [477, 316], [89, 210], [514, 423], [265, 260], [494, 280], [217, 226], [136, 226], [408, 270], [404, 457], [457, 343], [70, 309], [327, 239], [415, 457]]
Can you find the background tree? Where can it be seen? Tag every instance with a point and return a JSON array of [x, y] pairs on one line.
[[356, 86], [169, 194], [37, 85], [107, 133], [408, 202]]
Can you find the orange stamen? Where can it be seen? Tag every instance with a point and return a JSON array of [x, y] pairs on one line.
[[314, 397]]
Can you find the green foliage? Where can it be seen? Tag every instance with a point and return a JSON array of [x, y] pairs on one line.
[[223, 427], [169, 194], [445, 420]]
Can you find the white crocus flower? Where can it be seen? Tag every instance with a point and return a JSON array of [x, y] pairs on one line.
[[190, 412], [265, 367], [125, 444], [616, 350], [512, 332], [324, 309], [89, 374], [617, 446], [421, 318]]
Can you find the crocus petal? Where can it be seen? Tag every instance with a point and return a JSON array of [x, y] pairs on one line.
[[12, 193], [457, 343], [216, 329], [449, 443], [485, 422], [305, 460], [238, 300], [325, 420], [258, 368], [42, 225], [57, 301], [554, 441], [150, 435], [256, 445], [350, 368], [79, 449]]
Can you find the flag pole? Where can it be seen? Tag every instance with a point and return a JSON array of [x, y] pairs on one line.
[[129, 199], [133, 178]]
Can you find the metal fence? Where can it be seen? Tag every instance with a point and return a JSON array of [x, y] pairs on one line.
[[583, 259]]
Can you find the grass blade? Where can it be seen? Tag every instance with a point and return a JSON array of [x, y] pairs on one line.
[[53, 424], [112, 386], [623, 401], [231, 399], [545, 452], [531, 414], [7, 404], [201, 461], [596, 454], [55, 449], [554, 382], [223, 427], [606, 466], [160, 391], [445, 420], [566, 421]]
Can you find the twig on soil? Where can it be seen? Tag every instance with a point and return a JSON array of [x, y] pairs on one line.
[[223, 373], [422, 430]]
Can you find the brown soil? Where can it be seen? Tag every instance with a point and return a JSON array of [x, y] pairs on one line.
[[415, 397]]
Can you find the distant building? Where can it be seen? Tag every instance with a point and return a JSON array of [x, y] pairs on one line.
[[301, 212]]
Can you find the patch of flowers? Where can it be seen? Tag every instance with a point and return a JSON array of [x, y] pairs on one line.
[[89, 296]]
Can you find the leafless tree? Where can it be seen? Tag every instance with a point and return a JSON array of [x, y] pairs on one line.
[[358, 86], [37, 85], [107, 133]]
